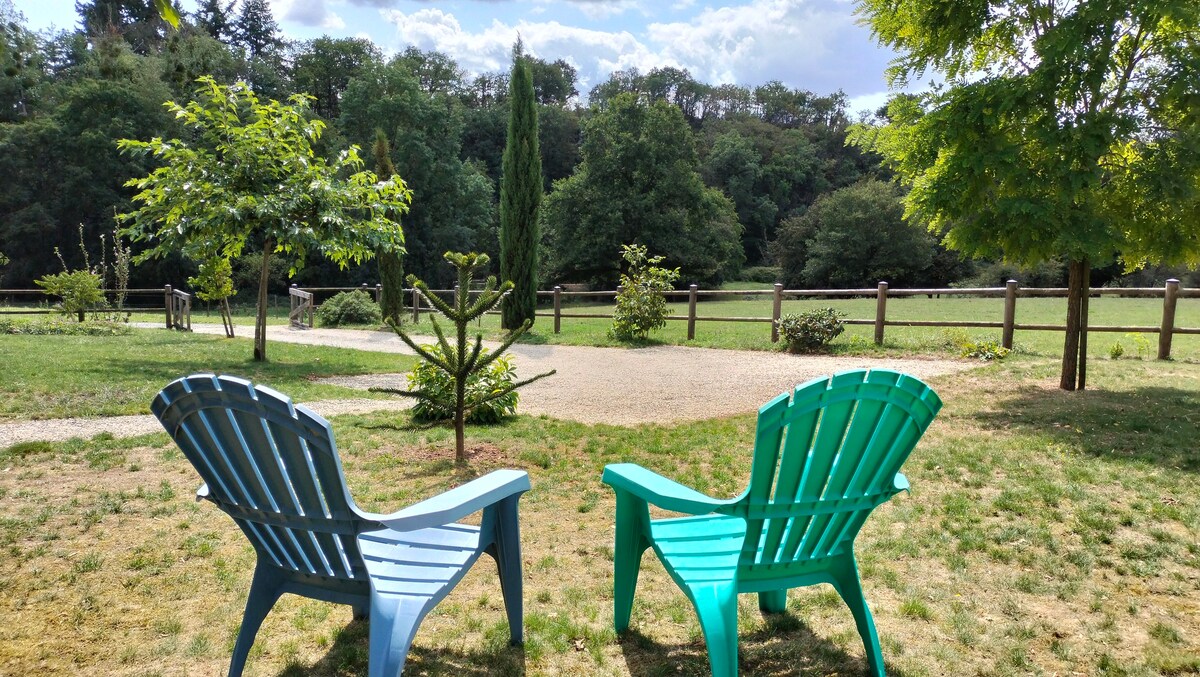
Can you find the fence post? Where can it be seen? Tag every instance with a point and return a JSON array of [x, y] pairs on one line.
[[1010, 313], [776, 310], [557, 308], [692, 311], [379, 292], [1170, 296], [416, 305], [880, 311], [167, 294]]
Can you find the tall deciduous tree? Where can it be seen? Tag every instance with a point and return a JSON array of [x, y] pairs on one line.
[[250, 177], [639, 183], [391, 266], [520, 196], [1066, 129]]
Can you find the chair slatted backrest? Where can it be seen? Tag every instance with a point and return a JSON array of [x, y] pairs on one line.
[[272, 466], [823, 459]]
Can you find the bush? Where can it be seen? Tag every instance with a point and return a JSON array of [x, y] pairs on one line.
[[79, 290], [641, 306], [984, 350], [1116, 350], [764, 274], [809, 332], [431, 381], [350, 307], [60, 328]]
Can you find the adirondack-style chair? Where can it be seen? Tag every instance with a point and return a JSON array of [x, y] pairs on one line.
[[273, 467], [823, 459]]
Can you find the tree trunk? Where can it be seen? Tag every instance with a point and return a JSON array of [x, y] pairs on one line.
[[227, 317], [460, 423], [1081, 381], [260, 322], [1076, 295]]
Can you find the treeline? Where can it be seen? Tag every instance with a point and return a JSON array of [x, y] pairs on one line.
[[722, 180]]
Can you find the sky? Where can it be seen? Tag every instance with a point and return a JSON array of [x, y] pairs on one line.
[[815, 45]]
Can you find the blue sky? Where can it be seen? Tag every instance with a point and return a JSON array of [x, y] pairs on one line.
[[809, 44]]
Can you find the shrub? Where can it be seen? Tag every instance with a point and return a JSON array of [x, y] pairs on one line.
[[79, 290], [349, 307], [764, 274], [60, 328], [811, 331], [436, 383], [641, 306], [984, 350], [1116, 350]]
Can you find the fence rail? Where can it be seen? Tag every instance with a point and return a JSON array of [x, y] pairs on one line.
[[176, 306]]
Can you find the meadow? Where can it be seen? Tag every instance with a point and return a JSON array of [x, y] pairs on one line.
[[1046, 533]]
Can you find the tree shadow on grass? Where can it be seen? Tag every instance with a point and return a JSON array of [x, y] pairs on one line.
[[348, 655], [785, 645], [1151, 424]]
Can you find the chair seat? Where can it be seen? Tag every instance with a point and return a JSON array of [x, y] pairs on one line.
[[702, 549], [419, 563]]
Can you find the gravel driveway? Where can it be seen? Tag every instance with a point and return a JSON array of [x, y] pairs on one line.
[[662, 384]]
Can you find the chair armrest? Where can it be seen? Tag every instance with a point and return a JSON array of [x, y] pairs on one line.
[[658, 490], [202, 493], [457, 503]]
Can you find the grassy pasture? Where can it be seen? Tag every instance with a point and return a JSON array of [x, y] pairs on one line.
[[1046, 533], [62, 376]]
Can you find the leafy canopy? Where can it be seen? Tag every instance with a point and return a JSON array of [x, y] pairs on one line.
[[249, 174], [1066, 128]]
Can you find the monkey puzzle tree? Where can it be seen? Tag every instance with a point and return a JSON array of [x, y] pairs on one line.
[[460, 360], [1065, 129], [248, 176]]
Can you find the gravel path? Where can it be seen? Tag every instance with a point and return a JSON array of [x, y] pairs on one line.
[[662, 384]]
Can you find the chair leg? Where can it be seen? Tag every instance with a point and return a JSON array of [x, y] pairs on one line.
[[361, 609], [265, 589], [393, 625], [716, 605], [508, 560], [628, 547], [848, 585], [773, 601]]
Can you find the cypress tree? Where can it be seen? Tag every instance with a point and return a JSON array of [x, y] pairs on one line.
[[520, 196], [391, 267]]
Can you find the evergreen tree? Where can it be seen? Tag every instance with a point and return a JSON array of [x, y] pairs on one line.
[[213, 19], [137, 21], [255, 29], [520, 196], [391, 266]]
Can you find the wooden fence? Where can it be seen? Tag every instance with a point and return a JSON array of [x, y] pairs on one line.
[[174, 304], [1011, 292]]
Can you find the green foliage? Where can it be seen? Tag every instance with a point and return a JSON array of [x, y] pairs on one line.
[[391, 266], [639, 181], [764, 274], [1116, 350], [854, 237], [251, 176], [349, 307], [984, 350], [641, 306], [520, 197], [460, 361], [811, 331], [496, 378], [80, 290], [60, 328], [214, 282]]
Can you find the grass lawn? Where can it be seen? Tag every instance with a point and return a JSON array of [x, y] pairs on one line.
[[60, 376], [1046, 533]]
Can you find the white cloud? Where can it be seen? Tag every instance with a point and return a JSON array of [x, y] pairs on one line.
[[313, 13], [807, 44], [603, 9]]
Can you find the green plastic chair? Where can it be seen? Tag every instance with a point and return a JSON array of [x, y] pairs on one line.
[[823, 460]]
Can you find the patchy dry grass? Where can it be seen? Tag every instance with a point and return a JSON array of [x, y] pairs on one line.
[[1047, 533]]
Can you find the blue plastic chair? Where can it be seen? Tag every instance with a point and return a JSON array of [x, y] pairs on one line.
[[273, 467], [823, 460]]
